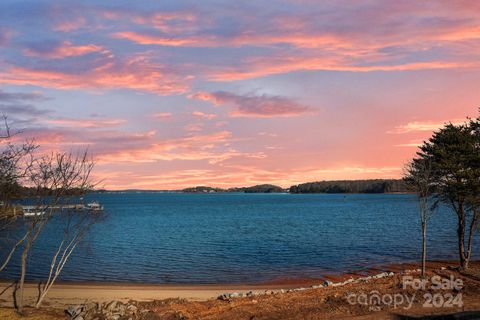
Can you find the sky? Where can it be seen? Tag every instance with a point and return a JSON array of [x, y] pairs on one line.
[[173, 94]]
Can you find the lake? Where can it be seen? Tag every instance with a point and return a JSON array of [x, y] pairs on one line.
[[176, 238]]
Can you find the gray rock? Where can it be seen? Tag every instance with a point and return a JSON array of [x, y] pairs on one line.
[[112, 306], [132, 309], [224, 297], [327, 283], [75, 311]]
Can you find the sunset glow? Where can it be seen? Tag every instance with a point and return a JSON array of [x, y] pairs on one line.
[[168, 95]]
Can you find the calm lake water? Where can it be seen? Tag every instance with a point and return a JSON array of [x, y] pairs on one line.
[[233, 238]]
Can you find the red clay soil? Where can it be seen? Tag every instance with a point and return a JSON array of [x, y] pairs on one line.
[[323, 303], [330, 302]]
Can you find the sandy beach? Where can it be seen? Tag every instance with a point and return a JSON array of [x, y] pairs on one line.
[[72, 293], [63, 294], [199, 301]]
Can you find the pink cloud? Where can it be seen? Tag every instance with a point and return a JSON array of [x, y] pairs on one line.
[[262, 106], [208, 147], [63, 50], [362, 44], [149, 39], [73, 23], [136, 73], [168, 22], [200, 114], [112, 148], [228, 176], [264, 66], [193, 127], [87, 123], [4, 36], [162, 115], [417, 126], [205, 96]]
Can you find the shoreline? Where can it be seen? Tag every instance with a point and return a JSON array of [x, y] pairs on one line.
[[63, 293], [278, 281]]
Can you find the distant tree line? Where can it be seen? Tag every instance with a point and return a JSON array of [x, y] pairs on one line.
[[341, 186], [351, 186], [261, 188]]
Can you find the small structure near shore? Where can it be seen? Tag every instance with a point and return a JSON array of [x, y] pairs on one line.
[[41, 210]]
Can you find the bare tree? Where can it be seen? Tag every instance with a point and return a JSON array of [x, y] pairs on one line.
[[15, 161], [52, 182], [77, 226], [57, 179], [418, 175]]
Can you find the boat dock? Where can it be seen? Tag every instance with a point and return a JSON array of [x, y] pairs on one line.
[[40, 210]]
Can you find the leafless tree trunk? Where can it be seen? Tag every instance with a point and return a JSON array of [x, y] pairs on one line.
[[32, 235], [52, 180], [12, 251], [15, 161], [76, 229], [419, 177], [64, 176]]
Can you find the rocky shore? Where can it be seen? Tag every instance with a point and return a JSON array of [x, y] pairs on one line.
[[330, 299]]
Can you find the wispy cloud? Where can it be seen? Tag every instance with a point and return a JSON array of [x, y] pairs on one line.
[[152, 39], [22, 109], [261, 106], [61, 50], [136, 72], [162, 115], [4, 36], [71, 24], [18, 96], [417, 126], [203, 115], [87, 123]]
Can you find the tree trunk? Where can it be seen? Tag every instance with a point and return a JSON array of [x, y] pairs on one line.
[[21, 282], [424, 247], [471, 231], [461, 241]]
